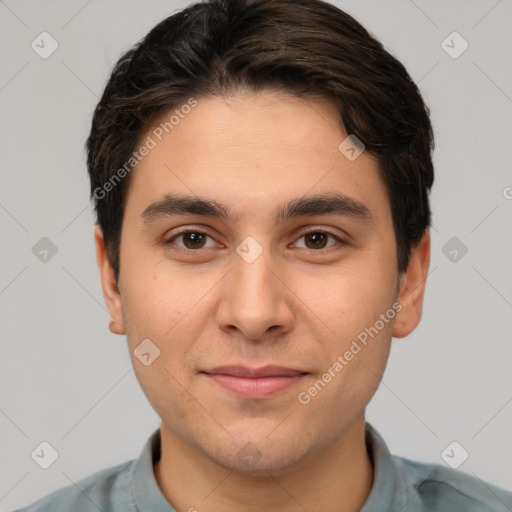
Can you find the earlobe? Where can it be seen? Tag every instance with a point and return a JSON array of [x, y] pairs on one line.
[[115, 327], [109, 286], [412, 288]]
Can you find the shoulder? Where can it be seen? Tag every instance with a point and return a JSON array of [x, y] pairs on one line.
[[439, 487], [104, 490]]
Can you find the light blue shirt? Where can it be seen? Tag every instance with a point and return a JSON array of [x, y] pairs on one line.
[[399, 485]]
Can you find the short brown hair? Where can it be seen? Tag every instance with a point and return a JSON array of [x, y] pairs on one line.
[[303, 47]]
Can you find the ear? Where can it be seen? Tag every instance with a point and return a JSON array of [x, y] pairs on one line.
[[108, 284], [412, 288]]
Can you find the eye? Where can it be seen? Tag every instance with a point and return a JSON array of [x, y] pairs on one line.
[[194, 240], [318, 240], [191, 240]]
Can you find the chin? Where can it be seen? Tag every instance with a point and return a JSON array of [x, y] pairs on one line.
[[257, 454]]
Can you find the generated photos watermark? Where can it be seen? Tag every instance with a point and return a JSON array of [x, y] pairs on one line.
[[149, 143], [355, 348]]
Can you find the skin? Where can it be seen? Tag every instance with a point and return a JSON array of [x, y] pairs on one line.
[[296, 305]]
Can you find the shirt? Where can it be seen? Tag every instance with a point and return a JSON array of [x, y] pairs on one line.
[[399, 485]]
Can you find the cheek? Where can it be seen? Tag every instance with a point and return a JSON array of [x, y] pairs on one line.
[[350, 376], [170, 309], [164, 390], [346, 300], [352, 309], [156, 303]]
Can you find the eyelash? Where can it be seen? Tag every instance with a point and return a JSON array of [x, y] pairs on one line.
[[171, 240]]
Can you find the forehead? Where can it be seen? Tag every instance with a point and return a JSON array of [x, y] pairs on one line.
[[253, 150]]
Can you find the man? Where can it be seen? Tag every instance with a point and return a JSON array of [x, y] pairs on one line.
[[260, 171]]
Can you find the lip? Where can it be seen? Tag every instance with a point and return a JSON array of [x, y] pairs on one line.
[[255, 383]]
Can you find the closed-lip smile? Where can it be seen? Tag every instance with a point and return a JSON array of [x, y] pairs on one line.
[[255, 383]]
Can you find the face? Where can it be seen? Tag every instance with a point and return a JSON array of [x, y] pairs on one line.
[[258, 298]]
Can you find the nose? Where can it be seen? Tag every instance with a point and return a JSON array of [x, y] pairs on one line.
[[255, 300]]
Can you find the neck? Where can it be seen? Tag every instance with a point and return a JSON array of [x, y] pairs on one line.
[[337, 478]]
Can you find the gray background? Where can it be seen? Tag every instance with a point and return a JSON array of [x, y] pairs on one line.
[[66, 380]]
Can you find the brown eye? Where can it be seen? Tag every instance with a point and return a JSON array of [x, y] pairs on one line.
[[315, 240], [318, 240], [194, 240], [190, 240]]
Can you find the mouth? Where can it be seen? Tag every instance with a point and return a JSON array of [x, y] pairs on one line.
[[255, 383]]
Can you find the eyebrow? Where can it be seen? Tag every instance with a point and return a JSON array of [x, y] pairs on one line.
[[321, 204]]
